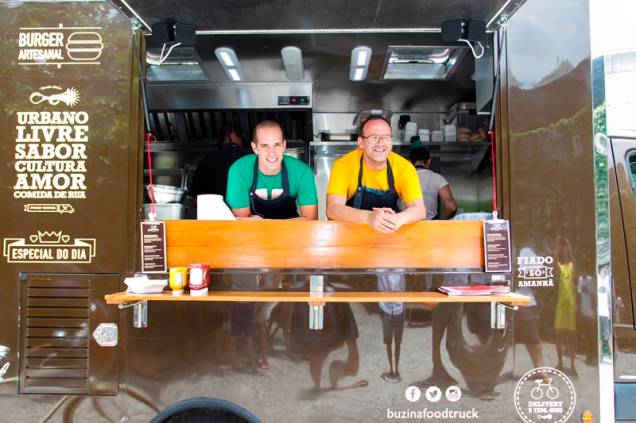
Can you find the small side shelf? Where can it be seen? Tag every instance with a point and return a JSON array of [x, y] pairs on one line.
[[316, 300], [511, 299]]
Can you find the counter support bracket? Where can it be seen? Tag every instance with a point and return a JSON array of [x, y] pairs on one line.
[[498, 314], [316, 305], [140, 313]]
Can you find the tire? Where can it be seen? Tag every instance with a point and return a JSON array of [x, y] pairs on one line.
[[536, 393], [204, 410], [553, 393]]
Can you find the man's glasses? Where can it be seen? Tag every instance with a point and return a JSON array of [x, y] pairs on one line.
[[376, 138]]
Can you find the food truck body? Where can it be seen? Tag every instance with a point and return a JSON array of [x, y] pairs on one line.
[[74, 108]]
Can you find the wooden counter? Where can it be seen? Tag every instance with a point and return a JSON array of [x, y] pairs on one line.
[[294, 244], [327, 297]]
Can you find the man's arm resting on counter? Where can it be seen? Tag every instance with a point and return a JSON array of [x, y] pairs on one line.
[[337, 209], [413, 212], [309, 212], [382, 219], [244, 213]]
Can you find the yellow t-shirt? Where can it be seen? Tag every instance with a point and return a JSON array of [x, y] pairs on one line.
[[344, 177]]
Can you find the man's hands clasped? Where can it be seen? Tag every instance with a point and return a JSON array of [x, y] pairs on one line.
[[385, 219]]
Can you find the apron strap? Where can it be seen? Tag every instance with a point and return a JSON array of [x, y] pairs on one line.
[[357, 198], [284, 176], [254, 177]]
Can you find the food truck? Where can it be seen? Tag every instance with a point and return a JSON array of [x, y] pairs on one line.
[[103, 98]]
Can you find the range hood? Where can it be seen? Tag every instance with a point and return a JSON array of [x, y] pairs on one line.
[[421, 62], [181, 64]]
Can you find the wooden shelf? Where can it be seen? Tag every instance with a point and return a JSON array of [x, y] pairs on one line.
[[511, 299]]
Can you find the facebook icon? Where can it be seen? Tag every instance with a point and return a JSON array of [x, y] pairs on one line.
[[412, 393]]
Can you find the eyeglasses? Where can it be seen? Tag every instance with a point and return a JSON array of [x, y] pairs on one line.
[[375, 138]]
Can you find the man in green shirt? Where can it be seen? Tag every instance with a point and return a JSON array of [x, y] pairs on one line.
[[269, 184]]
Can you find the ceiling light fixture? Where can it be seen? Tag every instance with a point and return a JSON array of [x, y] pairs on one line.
[[360, 58], [293, 62], [230, 63]]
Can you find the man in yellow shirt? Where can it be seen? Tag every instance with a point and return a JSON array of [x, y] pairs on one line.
[[366, 184]]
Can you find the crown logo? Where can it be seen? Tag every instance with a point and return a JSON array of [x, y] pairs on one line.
[[49, 237]]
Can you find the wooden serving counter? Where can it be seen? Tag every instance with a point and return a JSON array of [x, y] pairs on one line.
[[322, 247], [296, 244]]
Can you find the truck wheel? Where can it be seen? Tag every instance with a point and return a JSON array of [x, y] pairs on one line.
[[204, 410]]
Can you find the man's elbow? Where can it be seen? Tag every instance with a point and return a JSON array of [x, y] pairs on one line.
[[330, 212]]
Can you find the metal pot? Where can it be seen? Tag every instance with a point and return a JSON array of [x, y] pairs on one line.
[[172, 211], [166, 193]]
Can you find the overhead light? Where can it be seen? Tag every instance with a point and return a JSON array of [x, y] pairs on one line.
[[227, 60], [360, 58], [230, 63], [234, 75], [293, 62]]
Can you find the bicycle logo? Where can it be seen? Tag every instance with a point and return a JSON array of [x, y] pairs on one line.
[[544, 394], [538, 391]]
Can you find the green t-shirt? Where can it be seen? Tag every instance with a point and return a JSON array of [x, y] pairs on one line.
[[239, 181]]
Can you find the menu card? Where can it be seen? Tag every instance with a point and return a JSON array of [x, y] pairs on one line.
[[153, 247], [497, 246]]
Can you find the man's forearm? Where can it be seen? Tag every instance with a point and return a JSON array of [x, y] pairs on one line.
[[413, 213], [344, 213]]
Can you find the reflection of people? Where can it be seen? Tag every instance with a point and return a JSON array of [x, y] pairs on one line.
[[433, 185], [392, 323], [565, 316], [366, 184], [339, 327], [585, 289], [269, 184], [243, 320], [211, 174], [526, 323]]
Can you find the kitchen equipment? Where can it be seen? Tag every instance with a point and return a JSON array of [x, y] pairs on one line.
[[166, 193], [166, 211], [424, 134], [410, 130], [295, 152], [178, 279], [199, 279], [141, 284], [437, 136], [450, 133]]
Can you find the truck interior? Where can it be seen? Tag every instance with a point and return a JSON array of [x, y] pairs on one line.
[[300, 68]]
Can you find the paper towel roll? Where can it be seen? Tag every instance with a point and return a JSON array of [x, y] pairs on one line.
[[212, 207]]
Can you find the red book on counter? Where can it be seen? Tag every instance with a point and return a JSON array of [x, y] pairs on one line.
[[458, 291]]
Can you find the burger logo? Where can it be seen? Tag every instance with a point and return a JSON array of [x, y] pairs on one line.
[[84, 46], [60, 46]]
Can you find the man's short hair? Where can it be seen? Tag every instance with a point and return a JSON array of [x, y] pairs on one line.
[[419, 154], [267, 124], [369, 119]]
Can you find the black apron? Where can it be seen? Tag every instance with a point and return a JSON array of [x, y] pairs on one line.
[[283, 207], [365, 199]]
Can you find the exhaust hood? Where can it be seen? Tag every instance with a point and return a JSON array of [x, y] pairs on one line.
[[421, 62], [181, 64]]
